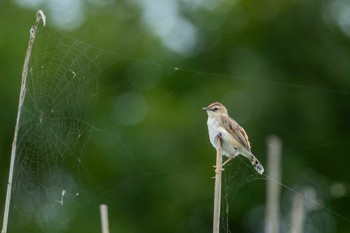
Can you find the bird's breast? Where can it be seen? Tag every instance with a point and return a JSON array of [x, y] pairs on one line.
[[215, 129]]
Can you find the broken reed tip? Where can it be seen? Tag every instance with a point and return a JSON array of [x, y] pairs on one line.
[[40, 15]]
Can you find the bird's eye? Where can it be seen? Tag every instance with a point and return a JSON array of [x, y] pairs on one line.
[[215, 108]]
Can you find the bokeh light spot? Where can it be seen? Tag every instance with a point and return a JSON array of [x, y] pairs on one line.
[[130, 108]]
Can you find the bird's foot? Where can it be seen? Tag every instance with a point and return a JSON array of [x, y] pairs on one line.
[[228, 160]]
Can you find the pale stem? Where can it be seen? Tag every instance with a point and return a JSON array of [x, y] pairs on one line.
[[273, 189], [298, 214], [39, 16], [104, 218], [217, 192], [301, 205]]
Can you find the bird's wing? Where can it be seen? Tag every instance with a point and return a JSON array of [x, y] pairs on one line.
[[236, 131]]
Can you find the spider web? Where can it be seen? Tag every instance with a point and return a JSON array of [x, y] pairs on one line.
[[237, 174], [57, 122], [305, 200], [55, 118]]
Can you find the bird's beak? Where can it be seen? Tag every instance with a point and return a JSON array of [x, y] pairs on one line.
[[205, 108]]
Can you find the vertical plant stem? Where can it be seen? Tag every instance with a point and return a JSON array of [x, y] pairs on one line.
[[40, 15], [298, 214], [303, 202], [104, 218], [217, 192], [273, 188]]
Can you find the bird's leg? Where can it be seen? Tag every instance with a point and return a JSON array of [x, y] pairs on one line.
[[228, 160]]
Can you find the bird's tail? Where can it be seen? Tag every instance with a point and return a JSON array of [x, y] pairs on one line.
[[256, 164]]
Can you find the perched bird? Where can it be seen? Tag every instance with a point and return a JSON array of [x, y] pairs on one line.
[[234, 140]]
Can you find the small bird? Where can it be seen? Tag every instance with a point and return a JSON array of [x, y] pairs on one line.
[[234, 140]]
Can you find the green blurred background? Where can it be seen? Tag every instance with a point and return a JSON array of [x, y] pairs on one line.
[[280, 67]]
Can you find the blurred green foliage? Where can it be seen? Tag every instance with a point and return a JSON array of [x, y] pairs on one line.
[[280, 67]]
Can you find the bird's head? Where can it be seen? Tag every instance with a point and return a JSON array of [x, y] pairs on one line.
[[215, 109]]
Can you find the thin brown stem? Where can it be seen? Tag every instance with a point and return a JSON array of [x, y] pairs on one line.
[[273, 189], [104, 218], [39, 16], [217, 191]]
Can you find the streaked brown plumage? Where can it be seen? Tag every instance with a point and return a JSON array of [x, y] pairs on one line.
[[234, 138]]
